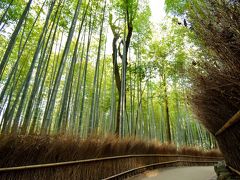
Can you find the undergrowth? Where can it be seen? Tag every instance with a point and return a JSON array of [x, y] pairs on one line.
[[32, 150]]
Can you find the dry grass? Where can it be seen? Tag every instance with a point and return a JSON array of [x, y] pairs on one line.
[[28, 150], [196, 151]]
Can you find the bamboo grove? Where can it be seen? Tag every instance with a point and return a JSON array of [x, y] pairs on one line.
[[95, 67]]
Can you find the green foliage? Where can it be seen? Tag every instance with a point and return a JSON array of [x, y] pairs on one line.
[[177, 7], [14, 11], [142, 26], [156, 70]]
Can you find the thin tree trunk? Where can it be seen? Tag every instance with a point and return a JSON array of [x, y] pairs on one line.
[[167, 118], [113, 102], [29, 75], [96, 74], [118, 82], [5, 13], [62, 122], [77, 94], [14, 38], [85, 75], [40, 69], [98, 99], [15, 66], [50, 107]]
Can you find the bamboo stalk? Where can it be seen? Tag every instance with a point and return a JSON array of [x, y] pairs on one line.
[[233, 120]]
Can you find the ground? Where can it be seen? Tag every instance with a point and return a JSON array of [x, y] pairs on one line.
[[179, 173]]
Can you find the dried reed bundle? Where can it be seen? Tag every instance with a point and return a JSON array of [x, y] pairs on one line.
[[216, 78], [31, 150]]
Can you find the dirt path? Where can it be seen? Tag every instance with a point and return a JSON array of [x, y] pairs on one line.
[[179, 173]]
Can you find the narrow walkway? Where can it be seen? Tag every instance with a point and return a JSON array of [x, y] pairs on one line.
[[179, 173]]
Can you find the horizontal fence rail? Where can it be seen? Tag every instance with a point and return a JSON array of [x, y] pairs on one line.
[[101, 159], [115, 167]]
